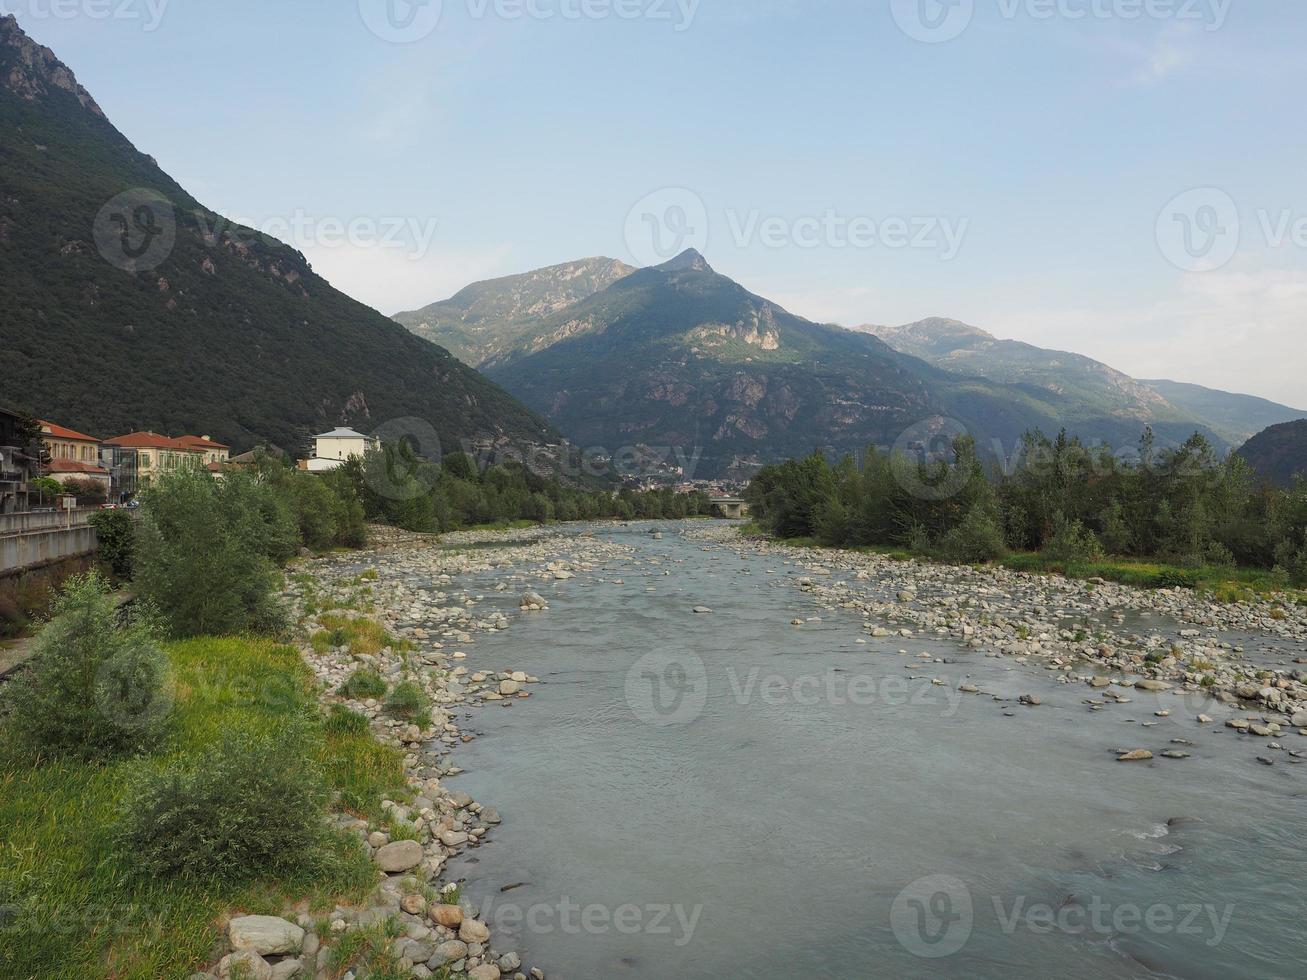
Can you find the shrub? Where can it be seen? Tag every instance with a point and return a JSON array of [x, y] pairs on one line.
[[253, 809], [97, 688], [407, 701], [978, 538], [205, 553], [115, 533], [1071, 542], [363, 684]]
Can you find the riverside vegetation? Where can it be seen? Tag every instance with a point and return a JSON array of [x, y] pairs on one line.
[[226, 773], [1177, 517]]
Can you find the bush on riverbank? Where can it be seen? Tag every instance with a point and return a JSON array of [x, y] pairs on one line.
[[78, 907], [250, 809], [96, 688], [1066, 502]]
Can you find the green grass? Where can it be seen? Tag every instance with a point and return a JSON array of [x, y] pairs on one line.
[[362, 636], [1223, 584], [503, 526], [80, 914], [364, 684]]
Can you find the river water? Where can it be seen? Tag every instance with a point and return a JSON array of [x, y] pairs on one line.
[[730, 795]]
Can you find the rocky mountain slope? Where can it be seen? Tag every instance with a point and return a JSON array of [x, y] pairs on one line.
[[1279, 453], [679, 356], [125, 304], [483, 323]]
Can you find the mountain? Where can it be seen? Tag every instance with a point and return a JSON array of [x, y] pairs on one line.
[[1236, 417], [679, 356], [1086, 396], [128, 305], [1279, 452], [482, 323]]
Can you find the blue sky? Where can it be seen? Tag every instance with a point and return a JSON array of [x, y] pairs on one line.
[[1017, 164]]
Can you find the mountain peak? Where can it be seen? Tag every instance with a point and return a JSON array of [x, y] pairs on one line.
[[691, 259], [31, 71]]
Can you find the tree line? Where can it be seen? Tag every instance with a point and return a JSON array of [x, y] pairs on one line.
[[1065, 500]]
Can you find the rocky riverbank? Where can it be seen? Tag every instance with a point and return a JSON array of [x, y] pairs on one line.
[[405, 588], [1110, 638]]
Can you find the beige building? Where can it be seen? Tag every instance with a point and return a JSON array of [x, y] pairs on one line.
[[331, 449], [69, 444]]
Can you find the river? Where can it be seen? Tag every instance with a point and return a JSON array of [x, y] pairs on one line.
[[727, 794]]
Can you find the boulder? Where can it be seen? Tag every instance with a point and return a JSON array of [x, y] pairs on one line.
[[472, 931], [448, 952], [1137, 755], [399, 856], [266, 935], [449, 916]]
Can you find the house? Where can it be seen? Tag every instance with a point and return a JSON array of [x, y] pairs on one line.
[[17, 465], [331, 449], [156, 454], [120, 463], [68, 444], [214, 452], [68, 471]]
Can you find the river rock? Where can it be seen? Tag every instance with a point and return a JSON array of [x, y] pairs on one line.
[[266, 935], [1151, 685], [472, 931], [398, 857], [244, 964], [486, 971], [449, 916], [448, 952], [509, 688], [1137, 755]]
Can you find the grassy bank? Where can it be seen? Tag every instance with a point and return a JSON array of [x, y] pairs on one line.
[[69, 908]]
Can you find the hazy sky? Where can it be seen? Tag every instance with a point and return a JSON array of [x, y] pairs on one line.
[[1122, 178]]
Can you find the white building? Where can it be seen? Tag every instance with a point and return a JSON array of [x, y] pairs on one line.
[[332, 448]]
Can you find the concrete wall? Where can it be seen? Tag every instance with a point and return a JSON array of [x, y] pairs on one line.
[[32, 540]]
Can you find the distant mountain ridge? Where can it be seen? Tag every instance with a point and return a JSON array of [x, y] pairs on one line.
[[1237, 417], [222, 330], [1279, 453], [484, 322], [964, 349]]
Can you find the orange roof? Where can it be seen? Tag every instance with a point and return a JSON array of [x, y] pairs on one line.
[[60, 432], [75, 466], [201, 442], [148, 440]]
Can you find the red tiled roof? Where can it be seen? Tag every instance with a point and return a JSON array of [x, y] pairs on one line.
[[69, 466], [148, 440], [199, 442], [60, 432]]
